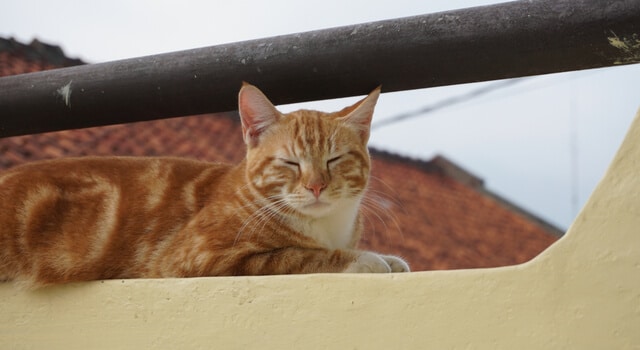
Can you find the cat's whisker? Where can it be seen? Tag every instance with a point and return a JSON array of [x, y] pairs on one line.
[[262, 216], [386, 195], [382, 182], [371, 203], [272, 212], [366, 213], [371, 209], [254, 217], [394, 219]]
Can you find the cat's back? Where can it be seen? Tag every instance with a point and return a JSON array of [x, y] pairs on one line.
[[60, 214], [110, 165], [110, 169], [142, 178]]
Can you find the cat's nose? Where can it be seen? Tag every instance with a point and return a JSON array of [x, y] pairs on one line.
[[316, 188]]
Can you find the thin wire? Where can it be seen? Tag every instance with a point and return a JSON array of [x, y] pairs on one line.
[[447, 102], [477, 93]]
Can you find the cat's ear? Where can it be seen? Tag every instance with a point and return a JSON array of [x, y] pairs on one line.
[[256, 113], [361, 113]]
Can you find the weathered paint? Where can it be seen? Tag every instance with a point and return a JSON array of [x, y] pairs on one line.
[[65, 94], [581, 293], [629, 47]]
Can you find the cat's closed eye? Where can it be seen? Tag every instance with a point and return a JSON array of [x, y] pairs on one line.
[[291, 163], [333, 160]]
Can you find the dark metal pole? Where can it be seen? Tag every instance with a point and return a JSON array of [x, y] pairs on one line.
[[476, 44]]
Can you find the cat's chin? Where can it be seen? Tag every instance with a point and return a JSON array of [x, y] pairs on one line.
[[316, 209], [326, 207]]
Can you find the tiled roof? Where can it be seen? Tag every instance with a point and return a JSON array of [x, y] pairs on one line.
[[433, 213], [446, 223], [18, 58]]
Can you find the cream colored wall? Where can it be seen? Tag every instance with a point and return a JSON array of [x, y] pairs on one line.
[[582, 293]]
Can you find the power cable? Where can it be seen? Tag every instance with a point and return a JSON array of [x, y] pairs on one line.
[[475, 94], [447, 102]]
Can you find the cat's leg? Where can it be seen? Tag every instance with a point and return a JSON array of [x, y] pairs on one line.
[[294, 260], [369, 262]]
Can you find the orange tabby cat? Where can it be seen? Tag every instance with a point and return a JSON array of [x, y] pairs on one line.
[[291, 206]]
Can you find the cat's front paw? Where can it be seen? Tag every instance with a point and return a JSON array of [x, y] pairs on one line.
[[397, 264], [369, 262]]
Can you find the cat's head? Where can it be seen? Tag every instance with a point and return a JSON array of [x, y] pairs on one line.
[[306, 162]]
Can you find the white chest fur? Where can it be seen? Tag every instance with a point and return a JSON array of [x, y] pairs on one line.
[[334, 230]]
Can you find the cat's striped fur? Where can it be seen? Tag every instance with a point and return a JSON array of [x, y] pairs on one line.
[[291, 206]]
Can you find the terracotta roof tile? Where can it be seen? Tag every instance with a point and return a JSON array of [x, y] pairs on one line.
[[434, 213]]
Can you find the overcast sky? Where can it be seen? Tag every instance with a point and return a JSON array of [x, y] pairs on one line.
[[543, 142]]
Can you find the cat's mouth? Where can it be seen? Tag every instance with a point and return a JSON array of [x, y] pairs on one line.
[[317, 204], [316, 208]]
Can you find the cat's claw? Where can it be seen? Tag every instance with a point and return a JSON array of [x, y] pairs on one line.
[[369, 262]]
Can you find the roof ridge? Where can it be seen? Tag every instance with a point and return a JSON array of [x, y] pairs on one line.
[[438, 164], [39, 51]]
